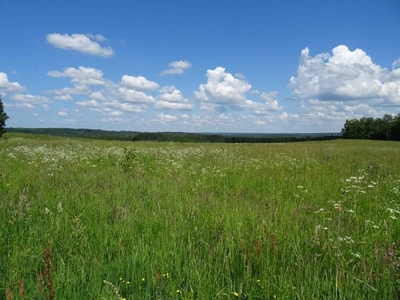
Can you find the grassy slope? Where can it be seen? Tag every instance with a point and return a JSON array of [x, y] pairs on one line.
[[279, 221]]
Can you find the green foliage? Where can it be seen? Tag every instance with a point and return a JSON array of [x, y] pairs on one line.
[[146, 220], [181, 137], [386, 128], [3, 118]]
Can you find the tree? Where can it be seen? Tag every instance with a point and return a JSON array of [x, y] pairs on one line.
[[386, 128], [3, 118]]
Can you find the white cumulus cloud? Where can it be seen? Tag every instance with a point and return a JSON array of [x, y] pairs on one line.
[[135, 96], [345, 75], [87, 44], [222, 88], [8, 86], [177, 67], [82, 75], [138, 83], [97, 95], [223, 91], [172, 98]]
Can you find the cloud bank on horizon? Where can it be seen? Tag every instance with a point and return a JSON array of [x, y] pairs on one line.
[[98, 82]]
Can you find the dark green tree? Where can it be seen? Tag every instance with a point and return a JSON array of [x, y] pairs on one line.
[[386, 128], [3, 118]]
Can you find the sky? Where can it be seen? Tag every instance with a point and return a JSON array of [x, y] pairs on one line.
[[284, 66]]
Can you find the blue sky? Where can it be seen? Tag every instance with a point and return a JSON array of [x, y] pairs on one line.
[[199, 66]]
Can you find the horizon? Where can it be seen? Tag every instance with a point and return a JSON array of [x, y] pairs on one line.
[[194, 132], [152, 66]]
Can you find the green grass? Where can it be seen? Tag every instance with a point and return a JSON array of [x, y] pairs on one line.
[[316, 220]]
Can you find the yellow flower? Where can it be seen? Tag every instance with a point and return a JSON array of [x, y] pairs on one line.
[[143, 279], [178, 291], [235, 294]]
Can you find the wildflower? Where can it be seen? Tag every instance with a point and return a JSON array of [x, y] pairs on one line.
[[178, 291], [59, 207], [235, 294]]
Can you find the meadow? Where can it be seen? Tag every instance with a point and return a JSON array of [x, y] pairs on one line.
[[90, 219]]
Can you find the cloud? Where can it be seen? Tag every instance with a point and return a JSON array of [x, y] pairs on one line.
[[128, 107], [177, 67], [166, 118], [396, 64], [31, 99], [174, 105], [222, 88], [63, 114], [135, 96], [7, 86], [288, 117], [240, 76], [24, 105], [270, 100], [97, 37], [78, 89], [138, 83], [337, 111], [116, 113], [223, 91], [171, 98], [69, 121], [89, 103], [97, 95], [81, 76], [79, 42], [345, 76], [65, 97]]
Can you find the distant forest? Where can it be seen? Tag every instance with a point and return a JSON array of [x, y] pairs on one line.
[[386, 128], [179, 136]]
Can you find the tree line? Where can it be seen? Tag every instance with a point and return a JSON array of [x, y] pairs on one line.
[[182, 137], [385, 128], [3, 118]]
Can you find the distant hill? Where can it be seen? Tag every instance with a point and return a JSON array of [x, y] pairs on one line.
[[222, 137]]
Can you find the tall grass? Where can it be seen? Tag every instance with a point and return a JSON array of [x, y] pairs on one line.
[[113, 220]]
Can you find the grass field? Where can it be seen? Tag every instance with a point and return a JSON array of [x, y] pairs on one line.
[[87, 219]]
